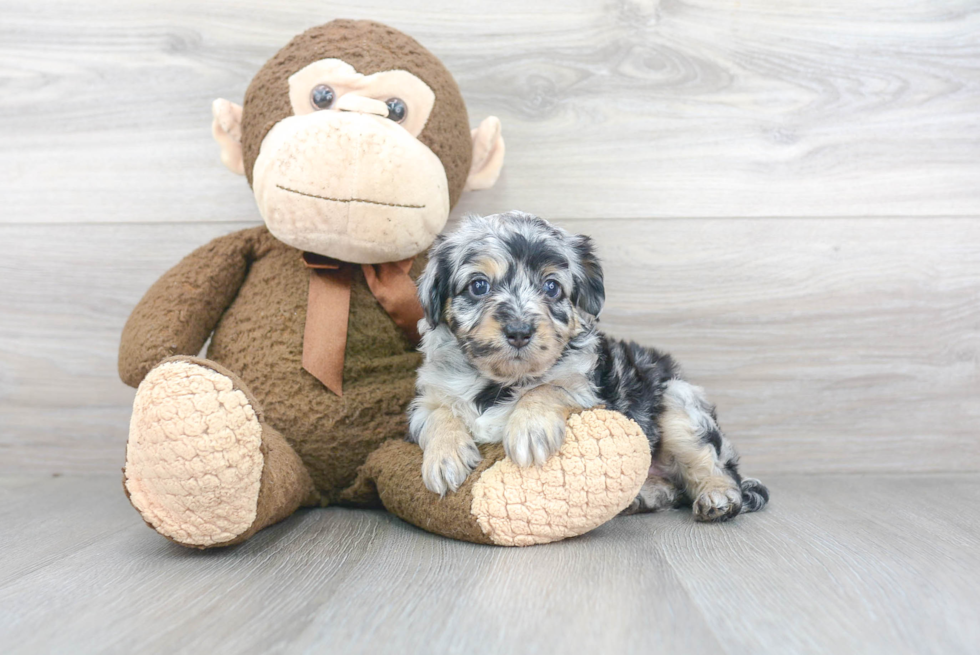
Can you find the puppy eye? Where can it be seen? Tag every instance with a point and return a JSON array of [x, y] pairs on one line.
[[322, 96], [397, 110], [479, 288], [552, 289]]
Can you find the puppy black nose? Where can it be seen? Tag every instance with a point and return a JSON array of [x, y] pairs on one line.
[[518, 334]]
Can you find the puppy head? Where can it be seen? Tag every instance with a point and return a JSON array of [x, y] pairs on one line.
[[514, 290]]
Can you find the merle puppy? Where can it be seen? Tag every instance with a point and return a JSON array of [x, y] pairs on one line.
[[512, 347]]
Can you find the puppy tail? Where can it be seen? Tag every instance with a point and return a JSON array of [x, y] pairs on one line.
[[755, 495]]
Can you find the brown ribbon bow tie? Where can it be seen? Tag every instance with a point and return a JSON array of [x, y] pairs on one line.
[[328, 308]]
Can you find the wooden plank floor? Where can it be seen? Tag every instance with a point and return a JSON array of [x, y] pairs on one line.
[[837, 564]]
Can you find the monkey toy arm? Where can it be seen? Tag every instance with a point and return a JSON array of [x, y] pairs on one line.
[[178, 313], [595, 475]]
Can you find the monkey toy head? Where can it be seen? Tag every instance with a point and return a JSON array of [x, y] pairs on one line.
[[356, 142]]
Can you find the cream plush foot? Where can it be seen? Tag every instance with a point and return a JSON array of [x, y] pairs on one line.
[[201, 468], [595, 475]]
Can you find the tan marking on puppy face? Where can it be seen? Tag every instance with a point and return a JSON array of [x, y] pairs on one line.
[[549, 341], [490, 267], [447, 310], [546, 345], [488, 332], [486, 346], [486, 343], [550, 271], [574, 327]]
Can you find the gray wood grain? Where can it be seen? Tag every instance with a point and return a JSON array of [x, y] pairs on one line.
[[866, 563], [324, 578], [53, 518], [66, 293], [828, 344], [624, 109], [837, 563]]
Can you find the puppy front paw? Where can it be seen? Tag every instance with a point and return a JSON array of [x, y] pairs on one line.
[[447, 463], [715, 505], [532, 437]]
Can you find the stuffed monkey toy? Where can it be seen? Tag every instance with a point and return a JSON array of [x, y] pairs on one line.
[[356, 143]]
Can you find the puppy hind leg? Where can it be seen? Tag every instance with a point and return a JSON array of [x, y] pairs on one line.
[[696, 454], [755, 495], [657, 493]]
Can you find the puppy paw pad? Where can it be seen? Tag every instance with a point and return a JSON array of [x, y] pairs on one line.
[[717, 505]]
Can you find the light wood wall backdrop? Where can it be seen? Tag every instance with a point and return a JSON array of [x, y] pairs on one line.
[[786, 195]]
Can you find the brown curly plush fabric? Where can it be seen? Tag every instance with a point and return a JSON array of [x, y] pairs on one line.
[[252, 290], [370, 48], [393, 475]]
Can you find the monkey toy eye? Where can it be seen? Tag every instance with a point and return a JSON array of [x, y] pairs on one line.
[[479, 288], [552, 289], [322, 96], [396, 109]]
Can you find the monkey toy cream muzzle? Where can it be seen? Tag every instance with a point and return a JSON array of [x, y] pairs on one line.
[[352, 186]]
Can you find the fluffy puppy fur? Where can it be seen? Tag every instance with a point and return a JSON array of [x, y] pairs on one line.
[[512, 347]]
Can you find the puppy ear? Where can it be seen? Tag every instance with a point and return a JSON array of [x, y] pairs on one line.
[[434, 282], [589, 292]]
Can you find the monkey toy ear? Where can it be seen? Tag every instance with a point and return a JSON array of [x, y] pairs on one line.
[[488, 155], [227, 131]]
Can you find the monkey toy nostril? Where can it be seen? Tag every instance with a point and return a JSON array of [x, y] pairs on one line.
[[518, 334]]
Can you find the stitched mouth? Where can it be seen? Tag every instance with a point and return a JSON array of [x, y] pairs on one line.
[[362, 200]]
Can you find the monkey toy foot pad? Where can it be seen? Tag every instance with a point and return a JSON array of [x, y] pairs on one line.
[[200, 465], [596, 475]]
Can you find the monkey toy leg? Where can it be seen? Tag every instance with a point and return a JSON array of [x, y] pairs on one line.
[[202, 467], [205, 470], [596, 475]]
